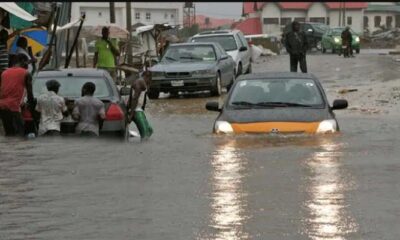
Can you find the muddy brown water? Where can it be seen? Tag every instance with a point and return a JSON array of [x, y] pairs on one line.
[[185, 183]]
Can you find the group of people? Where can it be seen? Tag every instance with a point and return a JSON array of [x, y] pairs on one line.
[[297, 45]]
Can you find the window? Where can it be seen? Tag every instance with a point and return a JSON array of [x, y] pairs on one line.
[[137, 15], [271, 20], [148, 16], [100, 14], [243, 39], [327, 21], [349, 20], [377, 21], [172, 16], [366, 24], [227, 42], [285, 21], [165, 15], [389, 20], [317, 19], [300, 19]]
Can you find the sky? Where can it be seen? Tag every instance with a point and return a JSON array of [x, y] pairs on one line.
[[232, 10]]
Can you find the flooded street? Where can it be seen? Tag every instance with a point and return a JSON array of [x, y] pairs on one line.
[[186, 183]]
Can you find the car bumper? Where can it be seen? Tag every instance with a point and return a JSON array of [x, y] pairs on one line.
[[195, 84], [338, 46]]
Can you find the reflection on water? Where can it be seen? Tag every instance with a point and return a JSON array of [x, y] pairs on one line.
[[329, 218], [228, 206]]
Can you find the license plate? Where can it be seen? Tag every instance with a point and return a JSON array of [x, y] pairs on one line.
[[177, 83]]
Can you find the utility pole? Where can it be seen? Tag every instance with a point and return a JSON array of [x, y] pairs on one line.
[[112, 12], [344, 14], [129, 28], [340, 14]]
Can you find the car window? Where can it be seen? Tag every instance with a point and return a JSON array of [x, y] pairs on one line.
[[242, 39], [219, 51], [72, 86], [190, 53], [297, 91], [228, 42]]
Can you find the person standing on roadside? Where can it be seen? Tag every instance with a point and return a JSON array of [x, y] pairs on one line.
[[106, 53], [4, 59], [14, 81], [52, 110], [347, 38], [89, 111], [296, 45]]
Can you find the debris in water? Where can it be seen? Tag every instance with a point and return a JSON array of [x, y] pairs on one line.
[[343, 91]]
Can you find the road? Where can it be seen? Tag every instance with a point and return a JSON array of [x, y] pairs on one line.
[[185, 183]]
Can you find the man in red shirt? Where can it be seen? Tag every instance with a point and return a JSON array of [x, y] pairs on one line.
[[14, 81]]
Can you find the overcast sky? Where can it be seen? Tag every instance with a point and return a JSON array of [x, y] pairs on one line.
[[232, 10]]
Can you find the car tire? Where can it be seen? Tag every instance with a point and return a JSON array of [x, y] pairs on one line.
[[217, 88], [249, 69], [240, 70], [357, 50], [229, 86], [153, 94]]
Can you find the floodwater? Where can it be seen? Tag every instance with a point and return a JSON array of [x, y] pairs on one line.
[[186, 183]]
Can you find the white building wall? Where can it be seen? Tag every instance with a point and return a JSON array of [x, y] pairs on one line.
[[270, 10], [293, 14], [98, 13], [371, 19], [357, 19], [317, 10]]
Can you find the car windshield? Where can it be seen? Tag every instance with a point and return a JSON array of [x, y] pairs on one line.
[[190, 53], [72, 86], [321, 27], [276, 93], [338, 31], [226, 41]]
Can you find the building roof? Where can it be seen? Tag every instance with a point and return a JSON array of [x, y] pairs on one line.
[[383, 8], [248, 7], [213, 22], [250, 26]]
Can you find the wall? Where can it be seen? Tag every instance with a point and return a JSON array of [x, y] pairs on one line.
[[357, 18], [371, 22], [293, 14], [270, 10], [317, 9]]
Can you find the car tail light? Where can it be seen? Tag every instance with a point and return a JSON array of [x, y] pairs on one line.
[[26, 114], [114, 113]]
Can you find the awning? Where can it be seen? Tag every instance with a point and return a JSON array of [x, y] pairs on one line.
[[13, 8]]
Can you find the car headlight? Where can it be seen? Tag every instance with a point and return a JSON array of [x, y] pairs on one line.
[[337, 40], [223, 127], [204, 72], [357, 39], [157, 74], [327, 126]]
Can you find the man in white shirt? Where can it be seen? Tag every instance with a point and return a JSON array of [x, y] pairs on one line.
[[52, 108]]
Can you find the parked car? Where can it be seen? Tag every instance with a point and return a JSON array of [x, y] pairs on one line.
[[71, 81], [234, 43], [332, 40], [313, 30], [192, 67], [276, 103]]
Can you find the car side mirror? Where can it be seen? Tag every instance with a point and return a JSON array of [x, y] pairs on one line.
[[339, 104], [242, 49], [125, 91], [213, 106], [224, 57]]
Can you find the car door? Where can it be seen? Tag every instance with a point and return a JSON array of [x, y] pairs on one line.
[[242, 55], [222, 64], [247, 53]]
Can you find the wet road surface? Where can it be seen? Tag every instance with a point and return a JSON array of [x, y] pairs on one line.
[[185, 183]]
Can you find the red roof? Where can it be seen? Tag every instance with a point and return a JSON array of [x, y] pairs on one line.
[[213, 22], [248, 7], [250, 26]]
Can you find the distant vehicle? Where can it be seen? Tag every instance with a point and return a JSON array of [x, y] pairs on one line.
[[192, 67], [332, 40], [234, 43], [287, 103], [313, 31], [71, 81]]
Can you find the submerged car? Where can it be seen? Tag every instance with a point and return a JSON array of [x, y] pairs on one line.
[[234, 43], [332, 40], [287, 103], [192, 67], [71, 81]]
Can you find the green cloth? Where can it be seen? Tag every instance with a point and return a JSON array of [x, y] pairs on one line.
[[19, 23], [105, 57]]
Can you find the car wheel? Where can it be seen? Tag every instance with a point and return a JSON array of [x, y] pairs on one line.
[[229, 86], [217, 88], [249, 69], [357, 50], [153, 94], [239, 71]]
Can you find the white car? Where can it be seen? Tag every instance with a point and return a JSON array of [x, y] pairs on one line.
[[234, 43]]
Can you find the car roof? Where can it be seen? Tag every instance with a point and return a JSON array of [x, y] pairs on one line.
[[82, 72], [217, 33], [194, 44], [276, 75]]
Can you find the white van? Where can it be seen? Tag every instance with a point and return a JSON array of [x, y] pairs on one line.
[[234, 43]]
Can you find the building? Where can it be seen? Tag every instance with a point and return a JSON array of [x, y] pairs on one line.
[[205, 22], [382, 14], [148, 13], [275, 15]]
